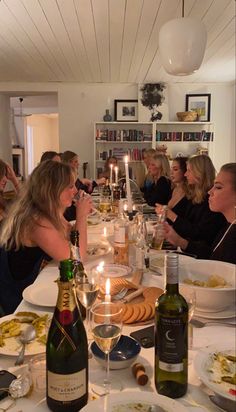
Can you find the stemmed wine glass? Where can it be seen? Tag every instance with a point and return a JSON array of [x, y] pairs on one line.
[[87, 293], [106, 326]]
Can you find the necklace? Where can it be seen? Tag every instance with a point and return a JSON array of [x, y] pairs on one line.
[[221, 240]]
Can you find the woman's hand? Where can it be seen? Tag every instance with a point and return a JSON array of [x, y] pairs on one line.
[[101, 181], [84, 206], [169, 213], [172, 236]]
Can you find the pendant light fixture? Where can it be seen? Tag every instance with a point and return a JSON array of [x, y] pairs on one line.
[[20, 113], [182, 44]]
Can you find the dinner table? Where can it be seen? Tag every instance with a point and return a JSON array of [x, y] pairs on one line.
[[197, 396]]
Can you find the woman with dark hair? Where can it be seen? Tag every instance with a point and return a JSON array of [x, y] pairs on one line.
[[112, 160], [35, 229], [222, 198], [50, 155], [179, 201]]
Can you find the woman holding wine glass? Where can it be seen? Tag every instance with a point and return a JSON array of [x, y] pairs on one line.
[[106, 326]]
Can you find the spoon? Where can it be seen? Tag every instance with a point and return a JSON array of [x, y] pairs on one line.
[[26, 336]]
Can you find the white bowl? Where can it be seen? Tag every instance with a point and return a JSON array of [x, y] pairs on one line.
[[211, 299]]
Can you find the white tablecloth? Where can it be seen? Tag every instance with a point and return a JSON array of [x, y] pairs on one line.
[[196, 398]]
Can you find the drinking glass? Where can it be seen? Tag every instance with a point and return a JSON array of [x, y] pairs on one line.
[[106, 326], [190, 296], [104, 206], [87, 293]]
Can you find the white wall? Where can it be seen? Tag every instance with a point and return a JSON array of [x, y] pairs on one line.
[[5, 141], [222, 115], [45, 135], [80, 105]]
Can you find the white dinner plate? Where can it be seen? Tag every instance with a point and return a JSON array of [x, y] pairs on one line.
[[203, 362], [228, 313], [41, 293], [126, 401], [113, 270], [12, 345]]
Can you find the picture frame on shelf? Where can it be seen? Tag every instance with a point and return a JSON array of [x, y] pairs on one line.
[[201, 103], [126, 110]]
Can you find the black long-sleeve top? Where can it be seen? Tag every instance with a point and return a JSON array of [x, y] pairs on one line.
[[199, 223], [226, 251], [158, 192]]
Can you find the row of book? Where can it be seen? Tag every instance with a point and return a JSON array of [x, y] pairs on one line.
[[202, 136], [130, 135], [119, 153]]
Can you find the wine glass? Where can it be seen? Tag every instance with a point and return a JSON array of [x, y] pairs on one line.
[[104, 206], [106, 326], [190, 296], [87, 293]]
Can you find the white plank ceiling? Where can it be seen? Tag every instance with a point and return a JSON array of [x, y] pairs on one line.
[[108, 41]]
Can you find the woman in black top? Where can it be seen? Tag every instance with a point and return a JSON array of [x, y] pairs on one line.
[[222, 198], [198, 222], [35, 227], [160, 190], [179, 201]]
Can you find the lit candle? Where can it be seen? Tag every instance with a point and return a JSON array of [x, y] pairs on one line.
[[116, 174], [105, 232], [128, 191], [111, 168], [108, 287]]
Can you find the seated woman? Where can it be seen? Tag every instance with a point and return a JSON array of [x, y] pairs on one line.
[[179, 201], [160, 190], [198, 222], [148, 180], [6, 174], [35, 229], [222, 198], [112, 160], [50, 155], [87, 185]]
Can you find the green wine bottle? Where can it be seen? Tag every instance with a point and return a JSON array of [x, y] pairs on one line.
[[79, 272], [67, 349], [171, 336]]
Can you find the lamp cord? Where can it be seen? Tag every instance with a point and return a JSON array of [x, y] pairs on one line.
[[182, 8]]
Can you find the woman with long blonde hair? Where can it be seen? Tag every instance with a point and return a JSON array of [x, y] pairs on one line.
[[35, 228], [6, 174], [198, 222], [160, 190], [222, 198]]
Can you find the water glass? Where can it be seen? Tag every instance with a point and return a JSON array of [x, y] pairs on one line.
[[37, 368]]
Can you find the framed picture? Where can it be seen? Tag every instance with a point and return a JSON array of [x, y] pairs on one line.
[[201, 103], [126, 110]]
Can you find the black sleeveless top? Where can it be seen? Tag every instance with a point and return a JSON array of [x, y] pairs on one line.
[[18, 269]]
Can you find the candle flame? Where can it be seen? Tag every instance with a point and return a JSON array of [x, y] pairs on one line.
[[126, 158], [104, 233], [108, 286], [111, 165]]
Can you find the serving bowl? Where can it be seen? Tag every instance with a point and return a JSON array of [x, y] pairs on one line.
[[123, 354], [209, 298]]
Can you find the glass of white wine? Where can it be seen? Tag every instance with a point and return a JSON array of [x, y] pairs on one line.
[[87, 293], [106, 326]]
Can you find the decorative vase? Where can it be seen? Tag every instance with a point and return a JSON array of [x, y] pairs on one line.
[[107, 117]]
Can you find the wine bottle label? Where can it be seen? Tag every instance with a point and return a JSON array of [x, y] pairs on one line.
[[171, 343], [65, 388], [119, 235]]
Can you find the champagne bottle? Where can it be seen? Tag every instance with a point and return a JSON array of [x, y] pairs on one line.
[[121, 240], [67, 349], [79, 272], [171, 336]]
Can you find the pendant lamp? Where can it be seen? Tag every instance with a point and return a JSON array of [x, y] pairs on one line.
[[182, 44]]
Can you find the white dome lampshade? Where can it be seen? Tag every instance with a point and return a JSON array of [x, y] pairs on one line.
[[182, 44]]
